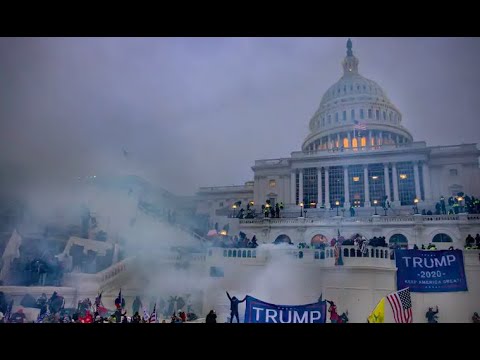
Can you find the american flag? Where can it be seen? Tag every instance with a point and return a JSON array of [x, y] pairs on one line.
[[40, 318], [360, 125], [145, 314], [8, 313], [153, 316], [401, 304]]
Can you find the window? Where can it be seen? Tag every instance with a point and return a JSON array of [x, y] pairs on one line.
[[398, 239], [406, 184], [376, 183], [336, 117], [369, 113], [453, 172], [344, 88], [353, 114], [344, 116], [384, 115], [272, 183], [361, 114], [220, 204], [391, 117], [356, 185], [335, 177], [377, 114], [323, 121], [442, 238], [329, 119], [310, 186]]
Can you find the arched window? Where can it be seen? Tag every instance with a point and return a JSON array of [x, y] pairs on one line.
[[398, 240], [352, 252], [345, 143], [442, 238], [345, 252], [317, 255], [371, 252], [225, 253], [254, 253], [249, 253], [282, 239], [364, 141], [319, 239], [354, 143], [376, 253], [322, 254], [234, 253], [229, 253], [244, 253]]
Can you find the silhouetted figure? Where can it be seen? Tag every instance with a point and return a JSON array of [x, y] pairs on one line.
[[469, 241], [432, 315], [211, 317], [137, 304], [476, 318], [234, 307]]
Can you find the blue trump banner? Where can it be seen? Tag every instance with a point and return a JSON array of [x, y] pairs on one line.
[[257, 311], [430, 271]]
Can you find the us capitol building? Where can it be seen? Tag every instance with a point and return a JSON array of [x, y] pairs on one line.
[[356, 158], [357, 153]]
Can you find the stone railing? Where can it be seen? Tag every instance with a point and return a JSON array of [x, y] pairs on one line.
[[473, 218], [373, 257]]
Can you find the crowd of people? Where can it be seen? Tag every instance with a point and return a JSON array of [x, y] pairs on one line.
[[471, 242], [237, 241], [53, 310]]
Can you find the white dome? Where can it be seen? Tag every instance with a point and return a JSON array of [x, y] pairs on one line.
[[352, 100]]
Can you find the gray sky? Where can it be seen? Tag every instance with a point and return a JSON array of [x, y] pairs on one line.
[[199, 111]]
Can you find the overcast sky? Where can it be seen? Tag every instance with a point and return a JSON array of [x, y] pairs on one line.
[[199, 111]]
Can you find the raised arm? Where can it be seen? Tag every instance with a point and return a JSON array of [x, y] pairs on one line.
[[245, 298], [229, 298]]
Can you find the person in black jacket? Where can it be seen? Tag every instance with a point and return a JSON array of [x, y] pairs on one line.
[[211, 317], [234, 307]]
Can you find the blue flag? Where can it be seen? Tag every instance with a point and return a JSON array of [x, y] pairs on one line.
[[430, 271]]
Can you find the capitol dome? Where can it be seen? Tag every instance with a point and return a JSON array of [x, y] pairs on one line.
[[355, 112]]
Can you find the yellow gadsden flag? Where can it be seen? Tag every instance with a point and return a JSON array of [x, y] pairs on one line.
[[378, 314]]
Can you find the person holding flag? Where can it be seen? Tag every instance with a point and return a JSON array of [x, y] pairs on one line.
[[120, 301]]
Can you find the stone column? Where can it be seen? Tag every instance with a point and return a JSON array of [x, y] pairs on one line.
[[366, 186], [293, 190], [319, 183], [327, 189], [387, 181], [416, 176], [300, 186], [369, 140], [426, 182], [329, 145], [346, 187], [380, 138], [396, 199], [349, 139]]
